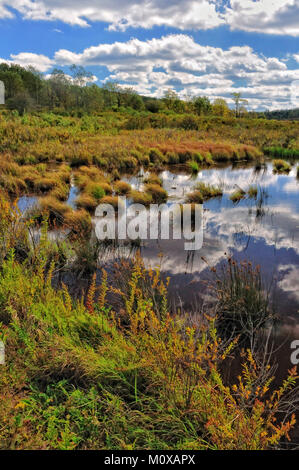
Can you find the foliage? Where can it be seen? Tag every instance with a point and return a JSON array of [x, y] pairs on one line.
[[89, 377]]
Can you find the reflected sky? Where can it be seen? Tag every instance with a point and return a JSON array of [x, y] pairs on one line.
[[263, 230]]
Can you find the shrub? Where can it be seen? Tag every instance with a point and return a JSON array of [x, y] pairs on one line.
[[198, 157], [96, 191], [79, 222], [56, 210], [129, 162], [112, 201], [122, 188], [45, 184]]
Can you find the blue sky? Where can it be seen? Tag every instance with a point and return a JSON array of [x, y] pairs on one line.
[[202, 47]]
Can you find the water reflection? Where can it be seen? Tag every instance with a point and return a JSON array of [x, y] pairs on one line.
[[264, 230]]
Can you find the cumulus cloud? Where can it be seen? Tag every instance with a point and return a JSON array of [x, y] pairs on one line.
[[38, 61], [264, 16], [187, 14], [156, 65], [153, 66]]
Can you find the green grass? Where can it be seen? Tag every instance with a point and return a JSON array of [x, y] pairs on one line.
[[193, 167]]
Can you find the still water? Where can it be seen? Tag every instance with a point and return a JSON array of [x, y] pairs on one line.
[[263, 230]]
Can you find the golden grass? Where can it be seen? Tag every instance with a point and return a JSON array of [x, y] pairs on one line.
[[122, 188]]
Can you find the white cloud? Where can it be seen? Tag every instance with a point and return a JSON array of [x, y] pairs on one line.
[[155, 65], [265, 16], [38, 61], [187, 14]]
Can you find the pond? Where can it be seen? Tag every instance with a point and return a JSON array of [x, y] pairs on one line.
[[263, 230]]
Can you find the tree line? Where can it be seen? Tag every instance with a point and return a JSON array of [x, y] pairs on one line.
[[28, 90]]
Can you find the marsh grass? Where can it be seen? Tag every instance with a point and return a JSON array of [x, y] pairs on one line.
[[158, 194], [281, 166], [153, 179], [238, 195], [86, 201], [243, 301], [208, 191], [122, 188], [193, 167], [139, 197], [195, 198], [253, 192]]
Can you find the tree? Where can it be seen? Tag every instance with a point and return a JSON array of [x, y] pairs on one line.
[[172, 101], [80, 75], [220, 108], [239, 101], [202, 105], [153, 105], [22, 102]]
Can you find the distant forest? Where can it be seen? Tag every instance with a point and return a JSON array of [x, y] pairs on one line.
[[27, 90]]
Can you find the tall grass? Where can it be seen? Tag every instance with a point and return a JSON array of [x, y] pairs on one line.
[[112, 369]]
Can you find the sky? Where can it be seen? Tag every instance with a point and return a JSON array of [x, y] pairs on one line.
[[195, 47]]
